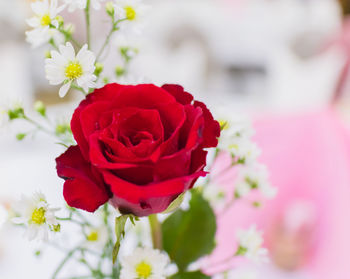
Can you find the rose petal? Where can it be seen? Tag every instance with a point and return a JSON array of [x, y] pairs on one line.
[[83, 188], [211, 130], [179, 93]]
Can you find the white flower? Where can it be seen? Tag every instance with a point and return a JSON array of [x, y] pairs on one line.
[[43, 22], [144, 263], [40, 36], [36, 214], [252, 177], [81, 4], [97, 237], [215, 194], [250, 245], [132, 11], [66, 67], [236, 138]]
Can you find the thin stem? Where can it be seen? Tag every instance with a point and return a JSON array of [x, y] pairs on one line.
[[64, 261], [38, 126], [79, 89], [156, 231], [87, 18], [108, 38]]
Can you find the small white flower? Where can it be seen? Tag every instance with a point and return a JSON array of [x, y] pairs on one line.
[[215, 194], [40, 36], [250, 245], [253, 177], [236, 138], [97, 237], [43, 22], [81, 4], [36, 214], [66, 67], [144, 263], [132, 11]]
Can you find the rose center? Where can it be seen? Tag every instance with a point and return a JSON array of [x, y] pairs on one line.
[[73, 70], [45, 20], [143, 270], [38, 216], [130, 12]]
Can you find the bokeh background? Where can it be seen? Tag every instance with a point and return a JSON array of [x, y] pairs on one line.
[[283, 63]]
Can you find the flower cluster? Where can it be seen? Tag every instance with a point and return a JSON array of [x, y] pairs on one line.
[[132, 151]]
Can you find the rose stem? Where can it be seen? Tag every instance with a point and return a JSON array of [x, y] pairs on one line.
[[156, 231]]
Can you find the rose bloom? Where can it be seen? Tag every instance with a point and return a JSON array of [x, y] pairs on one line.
[[139, 147]]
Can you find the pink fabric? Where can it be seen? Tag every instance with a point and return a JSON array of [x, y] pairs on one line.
[[308, 157]]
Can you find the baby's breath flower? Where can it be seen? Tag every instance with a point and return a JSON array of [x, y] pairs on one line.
[[250, 245], [254, 177], [144, 263], [66, 67], [36, 214]]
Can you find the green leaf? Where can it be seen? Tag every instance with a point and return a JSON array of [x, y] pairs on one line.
[[190, 275], [189, 235], [119, 233]]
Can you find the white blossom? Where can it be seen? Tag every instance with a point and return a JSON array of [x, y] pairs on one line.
[[66, 67], [132, 12], [81, 4], [254, 177], [37, 216], [144, 263], [236, 138], [250, 245], [44, 22]]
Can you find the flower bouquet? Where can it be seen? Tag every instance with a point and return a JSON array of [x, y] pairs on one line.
[[133, 154]]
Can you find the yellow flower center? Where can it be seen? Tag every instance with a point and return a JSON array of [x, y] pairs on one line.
[[73, 70], [130, 12], [93, 236], [143, 270], [38, 216], [45, 20]]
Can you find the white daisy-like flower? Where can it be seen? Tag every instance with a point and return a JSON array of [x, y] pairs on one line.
[[66, 67], [97, 237], [250, 245], [81, 4], [253, 177], [40, 36], [36, 214], [45, 16], [132, 11], [144, 263]]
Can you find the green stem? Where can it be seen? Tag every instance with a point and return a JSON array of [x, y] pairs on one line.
[[156, 231], [108, 38], [87, 18], [64, 261]]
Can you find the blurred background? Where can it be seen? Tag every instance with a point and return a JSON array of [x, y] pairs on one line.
[[283, 63]]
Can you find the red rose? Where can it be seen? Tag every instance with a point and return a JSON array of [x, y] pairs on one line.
[[138, 146]]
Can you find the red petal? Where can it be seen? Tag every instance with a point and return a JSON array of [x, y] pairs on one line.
[[211, 130], [178, 92], [83, 187]]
